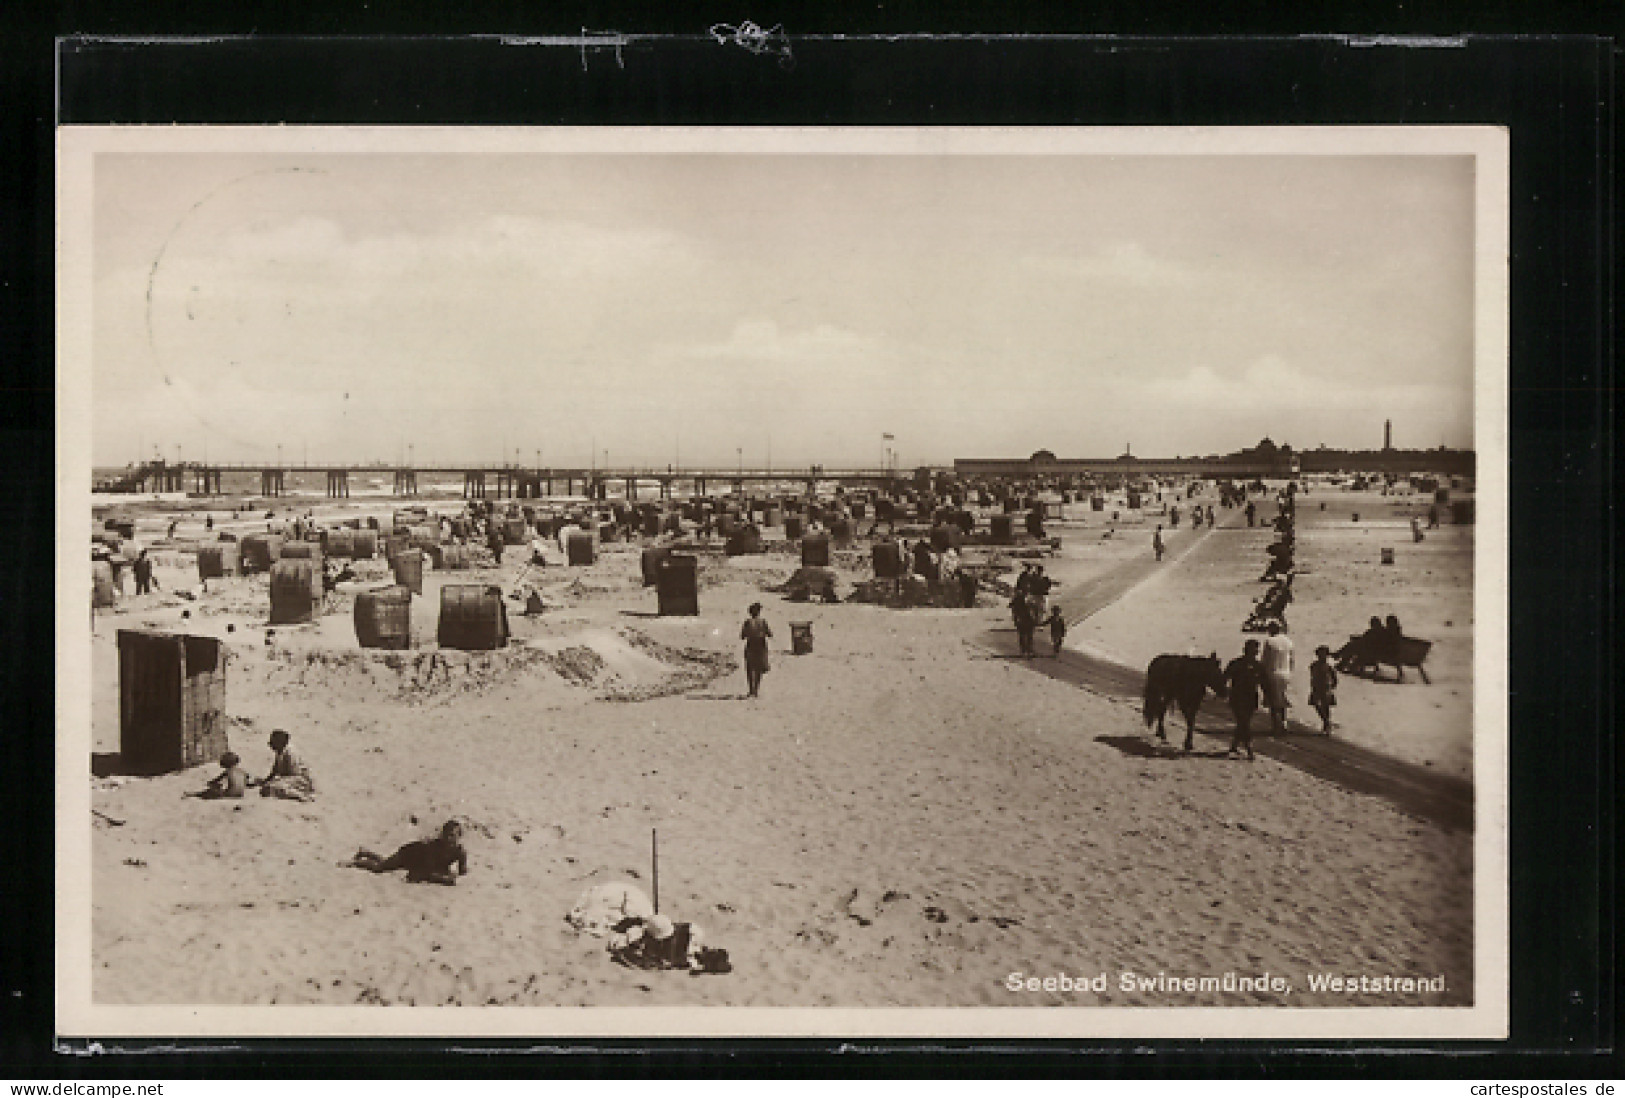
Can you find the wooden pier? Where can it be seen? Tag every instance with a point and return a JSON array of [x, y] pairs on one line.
[[494, 481]]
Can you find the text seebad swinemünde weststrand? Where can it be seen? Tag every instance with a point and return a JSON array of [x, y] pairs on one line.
[[1230, 982]]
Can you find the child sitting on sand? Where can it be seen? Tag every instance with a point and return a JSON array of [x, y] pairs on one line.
[[427, 861], [232, 781], [289, 779]]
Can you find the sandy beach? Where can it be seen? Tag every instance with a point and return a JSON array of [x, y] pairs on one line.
[[904, 818]]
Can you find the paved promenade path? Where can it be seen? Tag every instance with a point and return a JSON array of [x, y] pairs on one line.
[[1416, 790]]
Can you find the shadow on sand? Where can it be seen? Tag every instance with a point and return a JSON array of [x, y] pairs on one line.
[[1139, 748]]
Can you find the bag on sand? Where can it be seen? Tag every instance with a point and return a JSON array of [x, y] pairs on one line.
[[713, 961]]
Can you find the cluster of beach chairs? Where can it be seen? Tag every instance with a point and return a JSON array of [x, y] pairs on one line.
[[1278, 572]]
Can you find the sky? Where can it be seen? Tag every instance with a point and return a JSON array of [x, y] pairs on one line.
[[720, 308]]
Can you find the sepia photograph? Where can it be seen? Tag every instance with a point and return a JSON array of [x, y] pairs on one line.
[[880, 582]]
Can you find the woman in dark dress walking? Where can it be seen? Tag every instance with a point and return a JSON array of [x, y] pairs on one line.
[[755, 634]]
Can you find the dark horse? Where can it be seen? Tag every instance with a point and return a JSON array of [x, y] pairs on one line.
[[1182, 681]]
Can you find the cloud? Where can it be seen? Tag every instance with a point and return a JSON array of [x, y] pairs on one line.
[[760, 339], [1302, 407], [494, 246], [1125, 263], [323, 306]]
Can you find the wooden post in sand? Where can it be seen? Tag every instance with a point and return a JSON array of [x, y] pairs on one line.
[[654, 852]]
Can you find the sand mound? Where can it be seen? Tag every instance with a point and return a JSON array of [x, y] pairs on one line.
[[629, 665], [624, 664]]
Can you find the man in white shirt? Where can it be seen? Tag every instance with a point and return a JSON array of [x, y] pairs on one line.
[[1276, 659]]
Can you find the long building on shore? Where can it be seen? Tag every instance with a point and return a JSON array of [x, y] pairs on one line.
[[1265, 461]]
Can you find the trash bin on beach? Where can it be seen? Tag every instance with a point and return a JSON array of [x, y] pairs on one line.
[[172, 701], [677, 584], [801, 637], [383, 618], [1387, 556]]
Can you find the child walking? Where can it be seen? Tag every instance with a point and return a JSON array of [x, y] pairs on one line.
[[1322, 683]]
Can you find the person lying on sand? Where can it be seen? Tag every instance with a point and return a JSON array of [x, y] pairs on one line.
[[232, 781], [426, 861]]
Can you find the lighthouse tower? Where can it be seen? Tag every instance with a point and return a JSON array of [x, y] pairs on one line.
[[1387, 434]]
